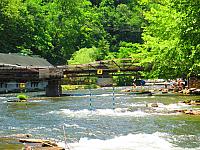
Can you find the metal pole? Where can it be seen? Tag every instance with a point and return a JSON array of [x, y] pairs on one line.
[[90, 98], [113, 96], [65, 138], [90, 92]]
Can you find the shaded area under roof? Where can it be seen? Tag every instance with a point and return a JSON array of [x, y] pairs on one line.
[[23, 61]]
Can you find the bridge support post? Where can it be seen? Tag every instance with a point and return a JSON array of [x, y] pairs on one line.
[[54, 88]]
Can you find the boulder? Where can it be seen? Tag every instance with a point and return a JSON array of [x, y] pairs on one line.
[[126, 90], [164, 91], [192, 102], [152, 105], [192, 89], [192, 112]]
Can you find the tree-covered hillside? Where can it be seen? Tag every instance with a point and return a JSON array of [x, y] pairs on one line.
[[162, 32]]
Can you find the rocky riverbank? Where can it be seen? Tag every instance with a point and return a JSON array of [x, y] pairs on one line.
[[188, 111]]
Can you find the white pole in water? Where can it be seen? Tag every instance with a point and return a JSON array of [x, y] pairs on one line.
[[113, 96], [90, 92], [65, 138], [90, 98]]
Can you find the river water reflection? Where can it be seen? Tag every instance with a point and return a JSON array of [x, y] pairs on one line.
[[130, 126]]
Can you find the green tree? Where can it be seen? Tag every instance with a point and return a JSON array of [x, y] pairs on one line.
[[190, 32], [121, 20], [12, 26], [75, 25], [161, 39], [129, 50], [85, 55], [171, 37]]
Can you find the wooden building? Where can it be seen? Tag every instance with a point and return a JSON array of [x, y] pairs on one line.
[[16, 69]]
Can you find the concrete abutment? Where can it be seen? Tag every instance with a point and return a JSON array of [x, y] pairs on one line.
[[54, 88]]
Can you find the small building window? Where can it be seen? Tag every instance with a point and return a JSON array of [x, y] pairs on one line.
[[34, 84]]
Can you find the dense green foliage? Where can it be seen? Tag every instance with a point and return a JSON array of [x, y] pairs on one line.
[[165, 33], [85, 55], [171, 37]]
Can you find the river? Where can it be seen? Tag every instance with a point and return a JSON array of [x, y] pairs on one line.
[[102, 123]]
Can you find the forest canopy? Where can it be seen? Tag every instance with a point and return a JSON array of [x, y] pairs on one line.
[[165, 33]]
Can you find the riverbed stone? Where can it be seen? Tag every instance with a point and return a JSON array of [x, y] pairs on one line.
[[192, 112], [152, 105], [192, 102]]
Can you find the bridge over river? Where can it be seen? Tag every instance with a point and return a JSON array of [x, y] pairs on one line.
[[24, 68]]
